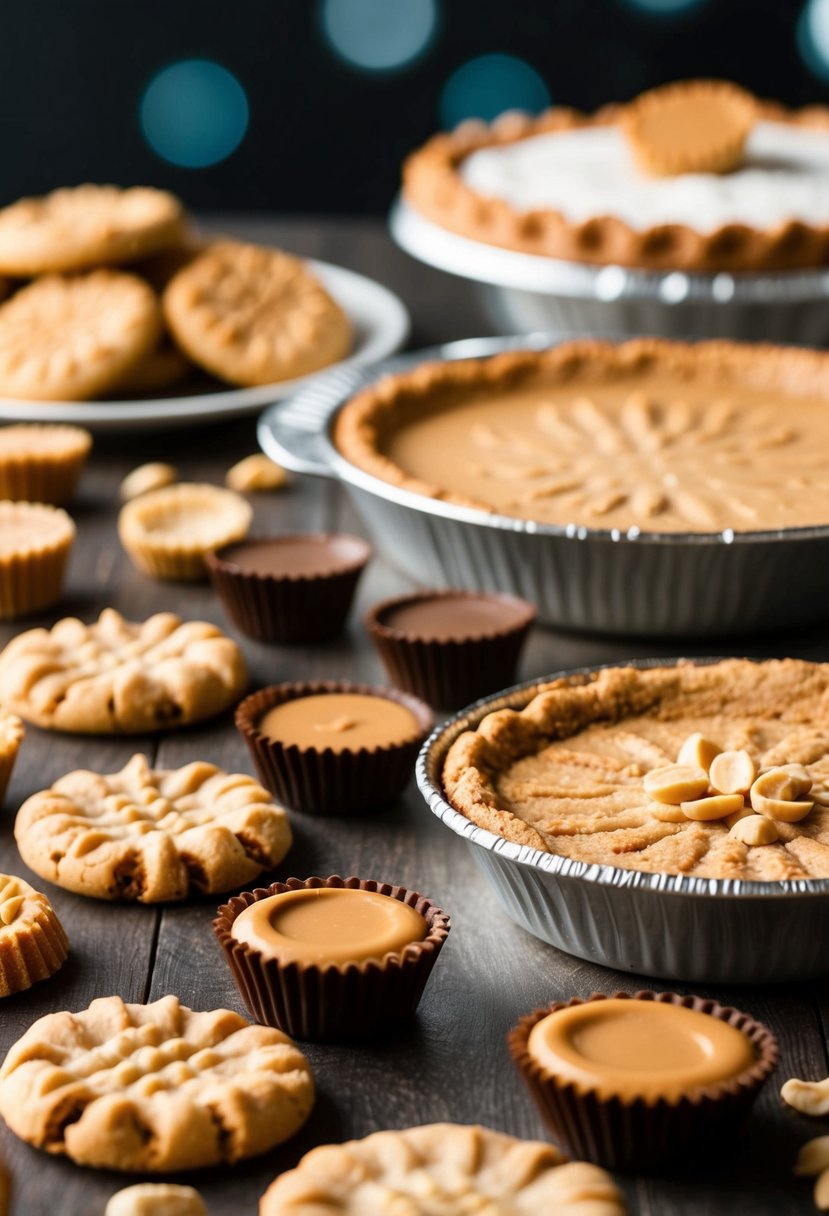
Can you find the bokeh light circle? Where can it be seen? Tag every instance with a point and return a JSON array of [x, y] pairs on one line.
[[194, 113], [664, 8], [813, 37], [486, 86], [379, 35]]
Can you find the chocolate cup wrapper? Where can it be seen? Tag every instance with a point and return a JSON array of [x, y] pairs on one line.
[[290, 609], [334, 1003], [448, 673], [639, 1135], [327, 782]]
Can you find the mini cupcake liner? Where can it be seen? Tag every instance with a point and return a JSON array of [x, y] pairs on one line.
[[50, 477], [11, 736], [324, 782], [32, 577], [178, 559], [292, 607], [449, 673], [637, 1134], [338, 1003]]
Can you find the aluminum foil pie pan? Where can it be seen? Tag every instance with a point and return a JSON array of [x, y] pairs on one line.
[[672, 584], [525, 291], [669, 926]]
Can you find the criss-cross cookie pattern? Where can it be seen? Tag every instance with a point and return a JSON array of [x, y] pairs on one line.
[[441, 1169], [154, 1087], [152, 835], [118, 676]]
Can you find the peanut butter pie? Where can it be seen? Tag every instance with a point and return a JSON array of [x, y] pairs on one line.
[[644, 435], [696, 176], [716, 771]]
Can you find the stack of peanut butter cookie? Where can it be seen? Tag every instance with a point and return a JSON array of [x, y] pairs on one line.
[[109, 293]]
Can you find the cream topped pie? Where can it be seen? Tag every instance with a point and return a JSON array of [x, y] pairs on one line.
[[707, 179], [654, 435], [589, 769]]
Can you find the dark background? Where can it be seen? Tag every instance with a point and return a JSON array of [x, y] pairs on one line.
[[325, 134]]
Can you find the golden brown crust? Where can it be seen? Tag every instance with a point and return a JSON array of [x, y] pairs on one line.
[[33, 944], [363, 425], [152, 835], [515, 777], [441, 1168], [435, 188], [153, 1087]]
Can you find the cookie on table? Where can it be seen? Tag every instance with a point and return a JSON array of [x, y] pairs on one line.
[[155, 1087], [455, 1168], [156, 1199], [72, 338], [79, 227], [152, 835], [11, 736], [121, 677], [33, 944], [252, 315]]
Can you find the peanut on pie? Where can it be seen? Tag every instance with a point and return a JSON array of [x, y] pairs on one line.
[[715, 771]]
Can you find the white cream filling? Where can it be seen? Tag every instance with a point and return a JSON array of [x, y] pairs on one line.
[[590, 172]]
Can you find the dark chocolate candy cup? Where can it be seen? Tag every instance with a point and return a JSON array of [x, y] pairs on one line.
[[338, 1003], [322, 781], [640, 1135], [288, 608], [450, 672]]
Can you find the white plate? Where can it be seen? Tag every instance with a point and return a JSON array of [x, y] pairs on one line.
[[380, 322]]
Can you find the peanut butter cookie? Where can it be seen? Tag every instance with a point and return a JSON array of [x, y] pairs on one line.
[[153, 1087], [253, 315], [156, 1199], [33, 945], [79, 227], [152, 835], [441, 1168], [121, 677], [68, 339]]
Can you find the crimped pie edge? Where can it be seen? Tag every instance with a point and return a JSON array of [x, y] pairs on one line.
[[435, 188]]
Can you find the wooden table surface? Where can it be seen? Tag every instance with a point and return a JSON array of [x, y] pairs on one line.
[[452, 1064]]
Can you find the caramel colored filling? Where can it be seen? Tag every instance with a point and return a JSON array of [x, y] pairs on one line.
[[651, 450], [639, 1049], [328, 925], [339, 721]]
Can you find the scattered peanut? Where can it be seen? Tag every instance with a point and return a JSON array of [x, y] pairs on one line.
[[156, 1199], [809, 1097], [813, 1158], [666, 813], [256, 475], [821, 1192], [718, 806], [732, 772], [676, 783], [698, 752], [755, 830], [777, 794], [147, 477]]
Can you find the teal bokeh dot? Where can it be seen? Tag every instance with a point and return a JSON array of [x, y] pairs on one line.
[[813, 37], [486, 86], [663, 8], [379, 35], [194, 113]]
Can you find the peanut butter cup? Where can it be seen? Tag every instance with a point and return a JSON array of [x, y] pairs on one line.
[[293, 588], [634, 1081], [450, 647], [331, 958], [330, 748]]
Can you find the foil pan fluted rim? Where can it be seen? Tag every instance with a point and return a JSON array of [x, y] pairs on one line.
[[428, 775]]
